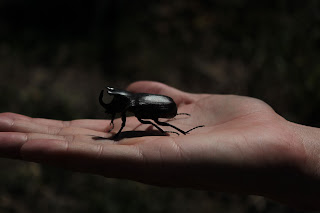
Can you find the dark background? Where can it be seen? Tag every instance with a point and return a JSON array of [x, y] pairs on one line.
[[56, 56]]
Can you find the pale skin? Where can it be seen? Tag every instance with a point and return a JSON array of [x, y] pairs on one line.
[[245, 147]]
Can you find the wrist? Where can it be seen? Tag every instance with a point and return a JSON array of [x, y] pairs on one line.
[[308, 174], [309, 137]]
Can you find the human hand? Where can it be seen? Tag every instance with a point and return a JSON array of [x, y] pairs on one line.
[[244, 147]]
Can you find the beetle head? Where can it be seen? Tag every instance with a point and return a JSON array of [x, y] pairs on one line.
[[119, 102], [107, 107]]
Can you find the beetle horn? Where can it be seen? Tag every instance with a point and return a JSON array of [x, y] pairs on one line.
[[101, 101], [110, 88]]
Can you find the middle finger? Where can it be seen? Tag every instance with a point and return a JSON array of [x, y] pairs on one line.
[[10, 125]]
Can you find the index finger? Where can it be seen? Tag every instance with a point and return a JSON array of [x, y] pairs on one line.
[[91, 124]]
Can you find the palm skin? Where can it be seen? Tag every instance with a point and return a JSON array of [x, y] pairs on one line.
[[244, 147]]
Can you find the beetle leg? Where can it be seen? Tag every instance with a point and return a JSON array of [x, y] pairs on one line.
[[111, 123], [123, 118], [167, 124], [183, 114], [194, 128], [183, 132], [161, 130], [149, 122]]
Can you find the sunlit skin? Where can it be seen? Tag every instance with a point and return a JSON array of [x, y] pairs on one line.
[[245, 147]]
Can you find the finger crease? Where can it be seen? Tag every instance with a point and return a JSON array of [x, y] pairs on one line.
[[179, 150], [100, 151], [67, 146], [52, 130], [69, 138], [66, 123], [11, 125], [19, 153], [141, 155]]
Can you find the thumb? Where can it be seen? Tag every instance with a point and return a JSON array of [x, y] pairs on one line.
[[154, 87]]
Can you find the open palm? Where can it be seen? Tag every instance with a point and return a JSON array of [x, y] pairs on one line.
[[244, 147]]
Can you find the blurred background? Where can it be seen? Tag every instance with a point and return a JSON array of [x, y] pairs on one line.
[[56, 56]]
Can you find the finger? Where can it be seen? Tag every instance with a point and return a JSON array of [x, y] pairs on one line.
[[92, 124], [9, 125], [11, 142], [14, 116], [153, 87], [112, 160], [77, 153]]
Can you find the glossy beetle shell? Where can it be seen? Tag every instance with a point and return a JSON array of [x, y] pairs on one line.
[[149, 106]]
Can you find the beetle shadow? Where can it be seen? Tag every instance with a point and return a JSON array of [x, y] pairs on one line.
[[131, 134]]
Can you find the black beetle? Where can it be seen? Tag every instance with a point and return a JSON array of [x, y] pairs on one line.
[[143, 106]]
